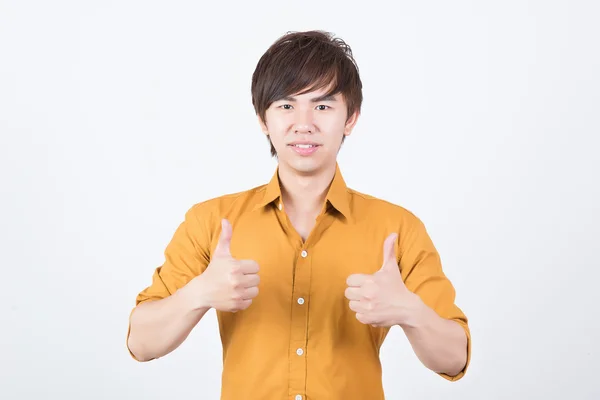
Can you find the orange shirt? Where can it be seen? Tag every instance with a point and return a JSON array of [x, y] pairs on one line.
[[299, 339]]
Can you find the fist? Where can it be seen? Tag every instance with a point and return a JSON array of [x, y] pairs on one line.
[[228, 284], [380, 299]]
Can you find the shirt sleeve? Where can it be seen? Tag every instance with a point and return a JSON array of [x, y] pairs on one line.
[[422, 272], [186, 256]]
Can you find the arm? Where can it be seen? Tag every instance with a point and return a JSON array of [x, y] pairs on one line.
[[439, 343], [159, 327], [168, 309], [436, 328]]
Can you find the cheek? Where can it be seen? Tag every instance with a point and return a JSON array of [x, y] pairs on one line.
[[277, 124], [280, 126], [276, 132], [333, 131], [331, 122]]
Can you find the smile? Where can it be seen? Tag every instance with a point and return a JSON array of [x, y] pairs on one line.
[[304, 149]]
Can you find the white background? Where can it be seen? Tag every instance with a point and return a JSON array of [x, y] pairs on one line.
[[116, 116]]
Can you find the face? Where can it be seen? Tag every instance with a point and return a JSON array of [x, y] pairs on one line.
[[306, 130]]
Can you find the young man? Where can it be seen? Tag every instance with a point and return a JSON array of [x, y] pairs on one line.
[[306, 275]]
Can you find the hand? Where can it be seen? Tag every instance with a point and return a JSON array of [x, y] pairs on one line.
[[381, 299], [227, 284]]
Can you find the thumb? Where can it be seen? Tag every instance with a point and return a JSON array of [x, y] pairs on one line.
[[389, 255], [224, 243]]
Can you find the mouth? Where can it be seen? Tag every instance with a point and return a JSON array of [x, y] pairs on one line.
[[304, 145], [304, 149]]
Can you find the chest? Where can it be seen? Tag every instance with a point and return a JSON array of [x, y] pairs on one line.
[[302, 223], [318, 268]]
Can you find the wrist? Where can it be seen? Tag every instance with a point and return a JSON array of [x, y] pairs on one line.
[[414, 313], [192, 296]]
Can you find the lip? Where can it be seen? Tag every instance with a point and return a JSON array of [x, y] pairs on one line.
[[301, 142], [304, 151]]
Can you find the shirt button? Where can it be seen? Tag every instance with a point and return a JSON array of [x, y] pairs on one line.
[[298, 397], [300, 300], [280, 206], [304, 253], [299, 352]]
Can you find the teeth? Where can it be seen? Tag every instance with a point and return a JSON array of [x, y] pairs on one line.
[[304, 146]]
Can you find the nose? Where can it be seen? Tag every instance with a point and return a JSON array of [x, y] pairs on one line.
[[303, 128], [304, 122]]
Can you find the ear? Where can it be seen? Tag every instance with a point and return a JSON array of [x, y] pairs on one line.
[[263, 126], [350, 123]]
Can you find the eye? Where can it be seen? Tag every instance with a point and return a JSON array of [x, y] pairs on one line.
[[322, 107], [286, 106]]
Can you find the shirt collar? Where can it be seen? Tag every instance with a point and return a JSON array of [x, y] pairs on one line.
[[272, 191], [337, 194]]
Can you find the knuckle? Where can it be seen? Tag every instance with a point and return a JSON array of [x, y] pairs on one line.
[[234, 280], [236, 267], [236, 297], [243, 304], [236, 305]]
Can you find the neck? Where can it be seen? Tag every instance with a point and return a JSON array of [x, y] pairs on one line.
[[305, 193]]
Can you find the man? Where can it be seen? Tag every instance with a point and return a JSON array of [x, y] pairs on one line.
[[306, 275]]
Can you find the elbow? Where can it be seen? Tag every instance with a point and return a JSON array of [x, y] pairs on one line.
[[135, 344], [136, 350], [454, 369], [455, 365]]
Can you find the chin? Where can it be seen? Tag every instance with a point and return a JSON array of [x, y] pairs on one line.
[[305, 166]]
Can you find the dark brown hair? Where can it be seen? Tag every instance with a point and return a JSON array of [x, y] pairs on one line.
[[300, 62]]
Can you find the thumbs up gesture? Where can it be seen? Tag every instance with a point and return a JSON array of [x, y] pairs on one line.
[[228, 284], [381, 299]]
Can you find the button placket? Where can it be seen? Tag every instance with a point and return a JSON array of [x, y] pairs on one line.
[[299, 321]]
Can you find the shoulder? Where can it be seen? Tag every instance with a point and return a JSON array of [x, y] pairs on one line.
[[211, 210], [386, 216], [369, 207]]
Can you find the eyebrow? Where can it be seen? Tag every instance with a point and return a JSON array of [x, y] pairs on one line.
[[325, 97]]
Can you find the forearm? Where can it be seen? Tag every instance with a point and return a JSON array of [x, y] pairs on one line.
[[159, 327], [440, 344]]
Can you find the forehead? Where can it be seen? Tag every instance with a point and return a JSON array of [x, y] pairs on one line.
[[315, 95]]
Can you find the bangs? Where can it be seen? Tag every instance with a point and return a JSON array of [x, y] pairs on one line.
[[302, 62], [304, 65], [307, 69]]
